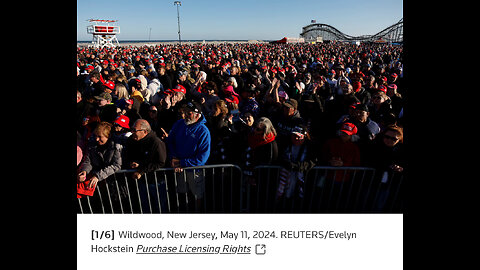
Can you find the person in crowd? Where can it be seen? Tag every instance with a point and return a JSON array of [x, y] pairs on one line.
[[152, 117], [121, 130], [387, 156], [395, 97], [189, 139], [144, 151], [248, 102], [210, 96], [97, 86], [262, 147], [121, 91], [361, 93], [279, 75], [144, 154], [387, 152], [169, 104], [239, 137], [154, 85], [298, 157], [380, 107], [230, 95], [367, 128], [183, 81], [189, 144], [287, 121], [340, 151], [164, 79], [102, 159], [219, 124], [107, 111]]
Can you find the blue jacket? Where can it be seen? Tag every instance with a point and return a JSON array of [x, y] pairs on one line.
[[190, 144]]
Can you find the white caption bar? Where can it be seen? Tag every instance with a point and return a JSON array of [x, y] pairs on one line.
[[236, 241]]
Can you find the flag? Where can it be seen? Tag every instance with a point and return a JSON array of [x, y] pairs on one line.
[[314, 21]]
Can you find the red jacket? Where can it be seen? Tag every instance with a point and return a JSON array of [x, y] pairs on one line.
[[348, 152]]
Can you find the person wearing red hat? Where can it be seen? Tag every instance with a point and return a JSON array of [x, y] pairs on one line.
[[395, 97], [179, 94], [230, 95], [341, 151], [121, 129], [361, 93]]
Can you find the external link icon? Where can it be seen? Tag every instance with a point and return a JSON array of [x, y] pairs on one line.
[[260, 249]]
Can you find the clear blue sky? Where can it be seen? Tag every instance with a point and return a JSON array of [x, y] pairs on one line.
[[241, 19]]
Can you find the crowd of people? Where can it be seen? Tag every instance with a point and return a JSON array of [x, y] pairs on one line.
[[249, 104]]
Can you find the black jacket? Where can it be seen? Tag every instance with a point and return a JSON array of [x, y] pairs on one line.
[[285, 126], [150, 153], [381, 157]]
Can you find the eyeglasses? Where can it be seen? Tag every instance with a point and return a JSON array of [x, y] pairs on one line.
[[390, 138], [137, 130]]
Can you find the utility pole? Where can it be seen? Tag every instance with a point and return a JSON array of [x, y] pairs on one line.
[[178, 3]]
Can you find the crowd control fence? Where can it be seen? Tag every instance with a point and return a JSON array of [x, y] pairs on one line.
[[225, 189]]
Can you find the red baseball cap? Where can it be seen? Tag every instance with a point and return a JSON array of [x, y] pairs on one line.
[[123, 121], [180, 88], [382, 88], [349, 128], [110, 85]]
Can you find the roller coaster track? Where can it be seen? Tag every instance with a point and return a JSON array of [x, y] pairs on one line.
[[391, 34]]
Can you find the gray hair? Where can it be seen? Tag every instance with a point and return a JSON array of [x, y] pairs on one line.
[[143, 125], [269, 128]]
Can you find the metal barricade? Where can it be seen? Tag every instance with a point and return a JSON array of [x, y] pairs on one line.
[[203, 189], [324, 190], [272, 189]]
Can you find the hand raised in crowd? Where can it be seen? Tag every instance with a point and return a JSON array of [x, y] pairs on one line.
[[164, 134]]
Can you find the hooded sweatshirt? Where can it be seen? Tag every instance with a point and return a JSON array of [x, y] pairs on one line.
[[189, 143]]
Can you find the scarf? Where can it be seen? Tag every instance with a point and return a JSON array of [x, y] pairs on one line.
[[255, 140]]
